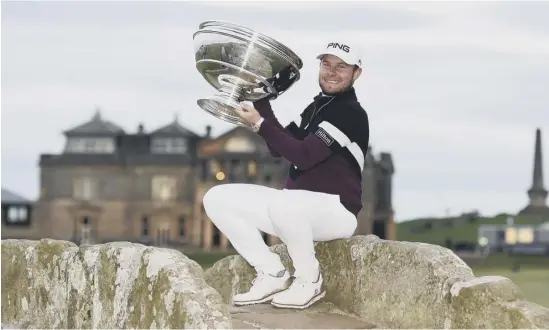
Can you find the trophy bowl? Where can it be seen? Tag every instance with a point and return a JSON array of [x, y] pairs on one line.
[[242, 65]]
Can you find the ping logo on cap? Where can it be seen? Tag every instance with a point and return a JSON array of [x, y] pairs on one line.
[[343, 47]]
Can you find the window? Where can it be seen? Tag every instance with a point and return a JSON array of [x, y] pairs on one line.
[[169, 145], [164, 188], [204, 170], [215, 166], [525, 235], [90, 145], [182, 226], [145, 226], [17, 214], [519, 235], [85, 231], [252, 168], [239, 144], [84, 189]]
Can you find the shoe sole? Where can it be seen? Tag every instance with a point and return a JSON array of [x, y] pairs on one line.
[[257, 301], [308, 304]]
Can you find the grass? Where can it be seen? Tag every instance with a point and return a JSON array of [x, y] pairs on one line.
[[466, 232], [207, 259]]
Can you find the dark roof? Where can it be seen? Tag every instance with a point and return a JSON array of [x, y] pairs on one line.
[[239, 129], [174, 129], [96, 126], [9, 197]]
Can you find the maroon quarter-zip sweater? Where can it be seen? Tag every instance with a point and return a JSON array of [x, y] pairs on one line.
[[326, 149]]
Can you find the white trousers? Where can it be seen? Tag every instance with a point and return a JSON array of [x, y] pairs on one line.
[[297, 217]]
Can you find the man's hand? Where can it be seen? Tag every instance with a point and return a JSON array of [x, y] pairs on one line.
[[248, 113]]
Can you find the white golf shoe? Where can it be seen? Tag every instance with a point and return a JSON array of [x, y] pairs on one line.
[[301, 294], [264, 287]]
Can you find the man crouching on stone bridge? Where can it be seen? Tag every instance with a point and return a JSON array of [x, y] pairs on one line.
[[323, 190]]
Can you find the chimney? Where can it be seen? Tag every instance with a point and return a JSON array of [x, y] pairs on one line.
[[208, 131], [140, 129]]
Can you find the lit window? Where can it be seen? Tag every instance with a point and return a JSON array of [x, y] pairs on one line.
[[511, 236], [525, 236], [17, 214], [520, 236], [252, 168]]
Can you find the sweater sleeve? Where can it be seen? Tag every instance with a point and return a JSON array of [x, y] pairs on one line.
[[301, 153], [264, 108], [333, 133]]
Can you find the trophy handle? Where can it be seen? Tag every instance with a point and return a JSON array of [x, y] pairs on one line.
[[281, 82]]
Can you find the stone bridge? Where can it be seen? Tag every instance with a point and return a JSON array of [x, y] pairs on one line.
[[370, 283]]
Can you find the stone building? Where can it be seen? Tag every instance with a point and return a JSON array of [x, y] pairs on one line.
[[112, 185]]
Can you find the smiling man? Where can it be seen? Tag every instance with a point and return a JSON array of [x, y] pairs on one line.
[[323, 192]]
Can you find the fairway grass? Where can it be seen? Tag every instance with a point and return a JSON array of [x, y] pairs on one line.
[[533, 282]]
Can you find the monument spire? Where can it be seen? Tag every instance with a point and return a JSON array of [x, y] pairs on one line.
[[537, 179], [537, 193]]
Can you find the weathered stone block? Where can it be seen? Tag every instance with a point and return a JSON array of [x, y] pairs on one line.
[[55, 284], [494, 302]]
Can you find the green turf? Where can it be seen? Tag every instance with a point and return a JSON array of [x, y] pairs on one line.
[[467, 232], [207, 259]]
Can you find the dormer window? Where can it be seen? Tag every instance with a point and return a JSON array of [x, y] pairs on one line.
[[97, 145], [169, 145]]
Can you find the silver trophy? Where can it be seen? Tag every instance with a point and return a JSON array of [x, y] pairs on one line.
[[242, 65]]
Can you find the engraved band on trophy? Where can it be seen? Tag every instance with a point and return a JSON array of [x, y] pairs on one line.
[[242, 65]]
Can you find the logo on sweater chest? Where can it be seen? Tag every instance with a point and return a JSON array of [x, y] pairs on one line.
[[324, 136]]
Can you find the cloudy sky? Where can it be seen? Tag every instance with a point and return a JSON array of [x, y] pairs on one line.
[[454, 91]]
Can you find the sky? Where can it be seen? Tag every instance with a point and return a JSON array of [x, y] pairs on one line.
[[453, 90]]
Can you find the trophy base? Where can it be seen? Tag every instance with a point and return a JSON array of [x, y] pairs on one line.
[[222, 108]]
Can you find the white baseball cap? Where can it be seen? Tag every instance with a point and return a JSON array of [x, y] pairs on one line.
[[349, 54]]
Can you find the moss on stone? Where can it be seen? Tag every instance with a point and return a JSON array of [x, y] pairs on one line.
[[106, 279], [42, 296], [15, 281], [139, 299], [47, 250]]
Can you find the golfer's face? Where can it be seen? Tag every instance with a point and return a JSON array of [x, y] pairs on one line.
[[335, 75]]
